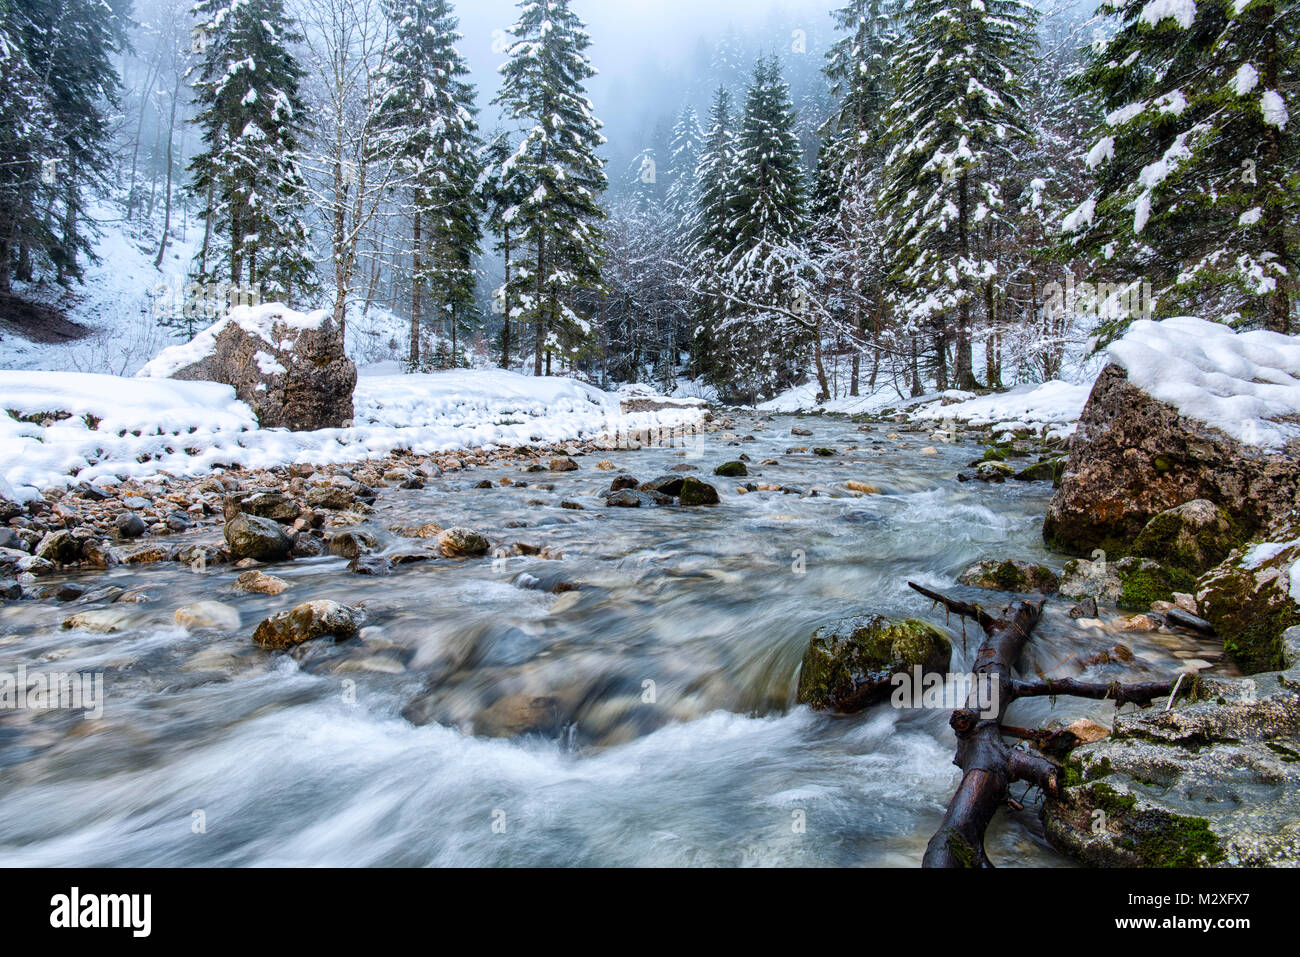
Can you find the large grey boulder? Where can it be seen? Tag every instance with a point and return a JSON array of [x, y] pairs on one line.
[[289, 367], [1135, 456]]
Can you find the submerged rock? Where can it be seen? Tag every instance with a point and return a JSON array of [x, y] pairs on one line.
[[258, 583], [1011, 576], [849, 665], [208, 614], [314, 619], [1214, 781], [520, 714]]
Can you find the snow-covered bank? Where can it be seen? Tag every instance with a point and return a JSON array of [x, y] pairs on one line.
[[1051, 408], [62, 428]]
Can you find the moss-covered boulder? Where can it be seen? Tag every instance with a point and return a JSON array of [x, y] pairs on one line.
[[1048, 470], [1131, 583], [1011, 576], [996, 472], [731, 470], [313, 619], [848, 665], [1195, 537], [695, 492], [1251, 599], [1214, 781]]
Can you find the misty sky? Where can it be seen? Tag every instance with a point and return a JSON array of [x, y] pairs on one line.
[[640, 47]]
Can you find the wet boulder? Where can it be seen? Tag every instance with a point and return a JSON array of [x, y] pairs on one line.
[[60, 547], [731, 470], [314, 619], [1195, 537], [1131, 583], [670, 485], [262, 539], [208, 615], [850, 665], [1011, 576], [1251, 599], [352, 543], [1213, 781], [694, 493], [461, 542], [520, 714]]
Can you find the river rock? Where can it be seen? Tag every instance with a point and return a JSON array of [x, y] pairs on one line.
[[105, 621], [1214, 781], [208, 615], [731, 470], [290, 368], [258, 583], [129, 525], [694, 492], [670, 485], [849, 665], [520, 714], [336, 498], [314, 619], [272, 505], [1134, 457], [1011, 576], [461, 542], [1195, 537], [1132, 583], [59, 547], [622, 482], [262, 539], [428, 530], [1251, 599], [562, 463], [352, 543]]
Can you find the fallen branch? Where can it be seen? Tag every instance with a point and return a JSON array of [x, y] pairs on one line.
[[988, 764]]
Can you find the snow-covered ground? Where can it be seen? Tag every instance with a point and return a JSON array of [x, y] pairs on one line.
[[1050, 408], [101, 428]]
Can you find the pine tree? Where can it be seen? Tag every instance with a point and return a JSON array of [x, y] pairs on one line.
[[501, 196], [958, 106], [683, 161], [1197, 162], [559, 172], [428, 126], [709, 230], [27, 150], [253, 118], [68, 46], [762, 274]]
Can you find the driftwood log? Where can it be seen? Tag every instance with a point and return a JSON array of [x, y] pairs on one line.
[[988, 764]]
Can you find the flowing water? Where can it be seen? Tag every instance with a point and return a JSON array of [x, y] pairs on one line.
[[665, 682]]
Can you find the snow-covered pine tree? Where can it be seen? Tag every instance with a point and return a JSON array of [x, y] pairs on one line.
[[763, 274], [69, 46], [429, 128], [958, 84], [684, 159], [1197, 161], [559, 172], [709, 230], [248, 176], [501, 196], [26, 144], [848, 180]]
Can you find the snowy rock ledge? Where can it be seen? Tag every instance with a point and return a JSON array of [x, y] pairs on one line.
[[1186, 410], [288, 367]]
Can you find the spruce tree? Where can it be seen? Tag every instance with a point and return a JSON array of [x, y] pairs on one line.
[[957, 106], [248, 176], [501, 195], [709, 230], [559, 173], [683, 161], [766, 224], [1197, 159], [427, 118]]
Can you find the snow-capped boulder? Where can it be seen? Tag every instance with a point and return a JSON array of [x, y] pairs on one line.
[[1186, 410], [288, 366]]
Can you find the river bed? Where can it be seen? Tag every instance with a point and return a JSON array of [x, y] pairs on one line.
[[661, 652]]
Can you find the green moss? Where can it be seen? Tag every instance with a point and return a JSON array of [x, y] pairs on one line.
[[1156, 837], [1163, 539], [962, 852], [731, 470], [1256, 643], [1287, 754], [995, 454], [1144, 584], [1163, 464], [847, 666]]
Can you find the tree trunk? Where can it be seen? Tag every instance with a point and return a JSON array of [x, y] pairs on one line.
[[167, 214], [416, 284]]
